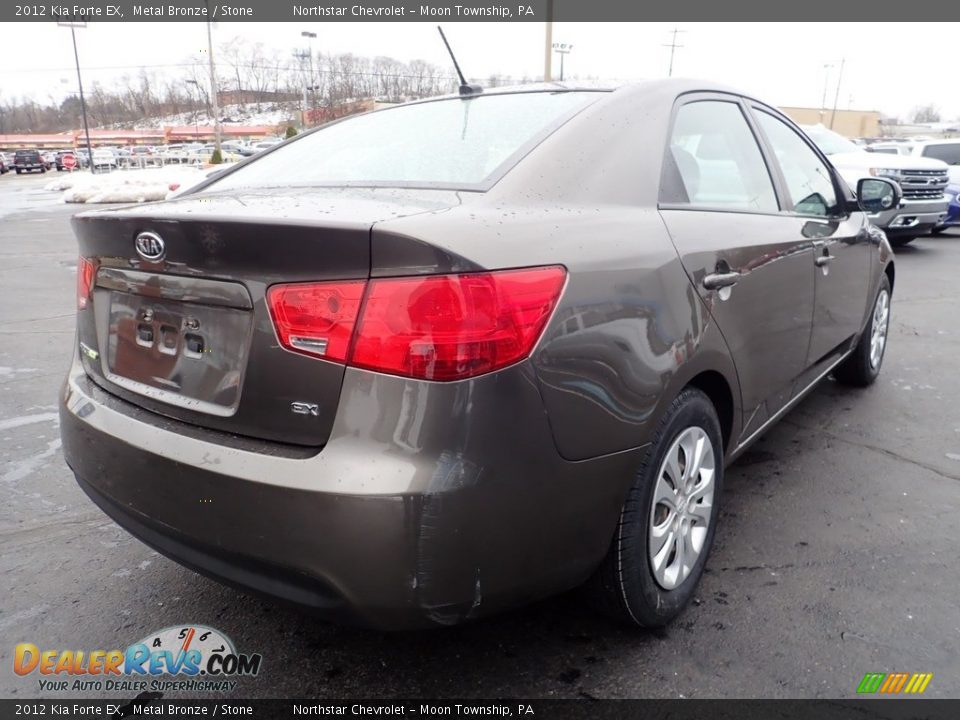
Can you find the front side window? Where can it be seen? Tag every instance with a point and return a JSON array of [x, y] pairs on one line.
[[713, 161], [456, 143], [948, 152], [809, 180]]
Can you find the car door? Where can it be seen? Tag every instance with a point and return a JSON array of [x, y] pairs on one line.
[[842, 246], [749, 264]]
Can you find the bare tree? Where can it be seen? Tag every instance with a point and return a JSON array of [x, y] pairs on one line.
[[925, 114]]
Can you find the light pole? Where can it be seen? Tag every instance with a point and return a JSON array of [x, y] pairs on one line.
[[73, 25], [562, 49], [196, 125], [311, 36], [836, 97], [215, 102]]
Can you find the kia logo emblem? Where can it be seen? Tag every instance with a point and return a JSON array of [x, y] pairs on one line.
[[150, 246]]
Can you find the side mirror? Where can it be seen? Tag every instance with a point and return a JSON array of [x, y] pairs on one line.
[[876, 195]]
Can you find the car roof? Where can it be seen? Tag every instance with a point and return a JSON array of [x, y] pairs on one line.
[[662, 85]]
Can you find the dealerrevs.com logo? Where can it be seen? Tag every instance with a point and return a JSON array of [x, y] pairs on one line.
[[185, 657]]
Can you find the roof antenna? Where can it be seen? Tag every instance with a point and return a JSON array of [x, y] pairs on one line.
[[466, 89]]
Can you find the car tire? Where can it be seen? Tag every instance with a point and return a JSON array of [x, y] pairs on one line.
[[18, 171], [863, 365], [626, 587]]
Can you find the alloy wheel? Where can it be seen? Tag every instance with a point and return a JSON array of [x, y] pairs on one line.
[[682, 507], [881, 322]]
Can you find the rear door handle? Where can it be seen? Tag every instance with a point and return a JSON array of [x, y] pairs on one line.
[[715, 281], [822, 260]]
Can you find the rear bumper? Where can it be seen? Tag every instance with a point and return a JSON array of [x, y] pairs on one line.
[[411, 516]]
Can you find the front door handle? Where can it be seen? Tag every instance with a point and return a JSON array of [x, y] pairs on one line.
[[823, 260], [716, 281]]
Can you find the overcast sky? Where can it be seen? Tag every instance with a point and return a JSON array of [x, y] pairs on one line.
[[782, 63]]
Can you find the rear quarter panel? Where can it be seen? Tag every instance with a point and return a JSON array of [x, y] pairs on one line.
[[629, 331]]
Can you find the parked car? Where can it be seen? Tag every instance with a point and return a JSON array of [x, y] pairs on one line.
[[6, 163], [923, 181], [28, 160], [264, 145], [953, 209], [484, 349], [889, 148], [103, 158], [63, 155], [83, 157], [947, 150]]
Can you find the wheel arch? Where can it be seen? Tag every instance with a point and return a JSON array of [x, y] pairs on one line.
[[715, 386]]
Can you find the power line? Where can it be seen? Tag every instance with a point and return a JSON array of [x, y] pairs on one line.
[[252, 66]]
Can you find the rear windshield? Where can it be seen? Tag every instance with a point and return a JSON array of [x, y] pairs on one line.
[[948, 152], [447, 143]]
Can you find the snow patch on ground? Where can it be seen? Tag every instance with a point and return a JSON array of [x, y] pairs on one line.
[[126, 186]]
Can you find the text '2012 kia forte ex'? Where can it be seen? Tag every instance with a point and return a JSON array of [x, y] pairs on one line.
[[428, 363]]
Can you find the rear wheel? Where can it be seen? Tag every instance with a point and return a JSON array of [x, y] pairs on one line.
[[862, 367], [667, 523]]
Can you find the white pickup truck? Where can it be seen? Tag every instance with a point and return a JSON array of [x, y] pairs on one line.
[[922, 179]]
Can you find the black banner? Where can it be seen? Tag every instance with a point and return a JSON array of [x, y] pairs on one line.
[[158, 707], [466, 11]]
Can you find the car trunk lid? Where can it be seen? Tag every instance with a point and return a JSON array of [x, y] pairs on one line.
[[181, 326]]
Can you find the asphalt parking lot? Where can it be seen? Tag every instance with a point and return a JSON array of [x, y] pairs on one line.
[[836, 553]]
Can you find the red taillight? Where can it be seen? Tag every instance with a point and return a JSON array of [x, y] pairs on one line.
[[452, 327], [86, 272], [434, 327], [316, 318]]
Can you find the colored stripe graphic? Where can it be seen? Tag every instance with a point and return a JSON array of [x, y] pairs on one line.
[[871, 682], [894, 683]]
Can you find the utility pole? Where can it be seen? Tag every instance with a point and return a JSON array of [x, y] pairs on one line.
[[73, 25], [215, 101], [673, 48], [823, 101], [836, 97], [548, 45]]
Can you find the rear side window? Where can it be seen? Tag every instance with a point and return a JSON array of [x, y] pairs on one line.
[[713, 161], [456, 143], [809, 181], [948, 152]]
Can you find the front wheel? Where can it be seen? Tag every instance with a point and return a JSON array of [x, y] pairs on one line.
[[862, 367], [667, 523]]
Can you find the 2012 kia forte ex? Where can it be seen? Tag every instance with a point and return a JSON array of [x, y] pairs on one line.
[[435, 361]]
